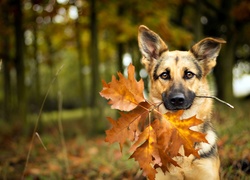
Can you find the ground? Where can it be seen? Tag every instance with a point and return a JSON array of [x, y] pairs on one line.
[[78, 154]]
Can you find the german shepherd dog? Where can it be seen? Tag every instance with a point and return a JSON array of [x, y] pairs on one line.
[[176, 79]]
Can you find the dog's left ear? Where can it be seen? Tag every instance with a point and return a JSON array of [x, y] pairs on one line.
[[206, 52], [150, 43]]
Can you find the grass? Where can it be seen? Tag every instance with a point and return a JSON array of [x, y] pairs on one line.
[[89, 157], [233, 129]]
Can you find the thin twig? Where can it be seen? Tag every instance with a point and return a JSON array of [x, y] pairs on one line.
[[155, 107], [38, 136], [213, 97], [159, 104], [37, 120]]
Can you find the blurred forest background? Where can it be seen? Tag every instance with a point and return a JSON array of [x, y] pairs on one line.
[[54, 53]]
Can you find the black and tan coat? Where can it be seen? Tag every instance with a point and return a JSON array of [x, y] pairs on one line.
[[176, 79]]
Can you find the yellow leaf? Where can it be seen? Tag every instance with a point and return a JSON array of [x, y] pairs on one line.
[[183, 135]]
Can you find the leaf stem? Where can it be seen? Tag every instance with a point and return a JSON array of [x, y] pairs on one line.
[[154, 107], [213, 97]]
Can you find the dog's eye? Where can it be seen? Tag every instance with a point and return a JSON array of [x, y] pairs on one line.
[[188, 75], [165, 75]]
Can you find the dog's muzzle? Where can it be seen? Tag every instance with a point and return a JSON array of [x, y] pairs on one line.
[[178, 100]]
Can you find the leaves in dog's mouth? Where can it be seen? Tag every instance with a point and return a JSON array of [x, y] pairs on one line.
[[155, 142], [124, 94]]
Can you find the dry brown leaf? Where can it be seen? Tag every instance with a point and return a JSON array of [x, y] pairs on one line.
[[182, 134], [124, 94], [127, 126], [156, 142]]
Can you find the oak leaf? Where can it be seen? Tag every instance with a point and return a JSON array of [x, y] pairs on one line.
[[182, 134], [156, 142], [146, 152], [126, 127], [124, 94]]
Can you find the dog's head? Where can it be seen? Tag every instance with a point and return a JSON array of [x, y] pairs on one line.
[[176, 76]]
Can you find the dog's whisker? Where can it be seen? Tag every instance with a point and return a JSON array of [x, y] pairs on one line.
[[213, 97]]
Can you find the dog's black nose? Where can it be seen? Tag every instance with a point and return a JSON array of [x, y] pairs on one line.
[[177, 99]]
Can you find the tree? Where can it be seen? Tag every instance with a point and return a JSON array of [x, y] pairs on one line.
[[79, 48], [120, 45], [6, 63], [19, 59], [223, 23], [94, 56], [36, 61]]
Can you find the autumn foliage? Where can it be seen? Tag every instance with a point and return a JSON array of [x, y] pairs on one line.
[[155, 141]]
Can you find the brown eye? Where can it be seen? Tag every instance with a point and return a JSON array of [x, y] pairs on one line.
[[165, 75], [188, 75]]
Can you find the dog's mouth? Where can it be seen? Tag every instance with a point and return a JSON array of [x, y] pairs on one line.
[[177, 108], [178, 101]]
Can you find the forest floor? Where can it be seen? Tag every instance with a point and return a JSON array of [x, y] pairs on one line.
[[75, 155]]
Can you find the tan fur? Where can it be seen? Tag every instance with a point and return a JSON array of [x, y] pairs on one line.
[[199, 60], [204, 169]]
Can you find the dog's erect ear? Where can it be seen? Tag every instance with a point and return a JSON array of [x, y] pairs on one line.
[[150, 43], [206, 52], [207, 48]]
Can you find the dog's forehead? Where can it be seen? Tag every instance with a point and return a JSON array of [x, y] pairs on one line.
[[177, 55], [177, 60]]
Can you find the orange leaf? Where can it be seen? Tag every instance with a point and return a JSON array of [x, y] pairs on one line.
[[183, 135], [146, 152], [164, 132], [126, 127], [165, 161], [124, 94], [157, 143]]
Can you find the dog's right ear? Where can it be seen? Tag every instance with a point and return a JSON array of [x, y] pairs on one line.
[[150, 43], [206, 52]]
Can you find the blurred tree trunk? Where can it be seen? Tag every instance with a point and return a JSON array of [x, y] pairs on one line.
[[36, 61], [94, 56], [50, 63], [82, 92], [120, 45], [224, 67], [6, 65], [223, 71], [19, 60], [136, 58], [120, 52], [198, 26], [50, 53]]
